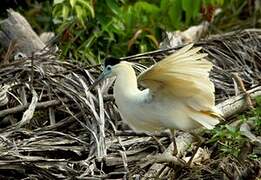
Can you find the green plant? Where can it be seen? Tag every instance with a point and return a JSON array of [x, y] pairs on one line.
[[229, 138], [236, 15], [120, 27], [64, 10]]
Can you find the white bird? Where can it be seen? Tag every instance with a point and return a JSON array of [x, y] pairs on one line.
[[179, 93]]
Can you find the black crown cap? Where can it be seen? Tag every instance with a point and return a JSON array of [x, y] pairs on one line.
[[111, 61]]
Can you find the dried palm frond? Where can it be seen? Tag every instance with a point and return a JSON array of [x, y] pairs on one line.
[[232, 52], [72, 130]]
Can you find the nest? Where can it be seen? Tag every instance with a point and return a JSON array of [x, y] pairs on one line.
[[53, 127]]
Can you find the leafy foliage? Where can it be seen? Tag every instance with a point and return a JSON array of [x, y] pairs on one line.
[[66, 9], [94, 30], [238, 14], [90, 30], [230, 138]]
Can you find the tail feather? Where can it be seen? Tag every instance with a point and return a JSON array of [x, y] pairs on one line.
[[207, 119]]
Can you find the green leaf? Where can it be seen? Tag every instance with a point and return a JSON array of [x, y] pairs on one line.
[[65, 12], [79, 11], [207, 2], [164, 4], [143, 47], [219, 2], [191, 8], [153, 39], [230, 128], [146, 7], [72, 2], [258, 100], [187, 6], [88, 43], [118, 26], [196, 8], [88, 6], [174, 13], [80, 14], [113, 7], [57, 11], [129, 18], [57, 2]]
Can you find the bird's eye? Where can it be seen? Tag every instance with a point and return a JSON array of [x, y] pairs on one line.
[[108, 68]]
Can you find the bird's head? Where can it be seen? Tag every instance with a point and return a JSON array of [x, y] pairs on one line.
[[112, 67]]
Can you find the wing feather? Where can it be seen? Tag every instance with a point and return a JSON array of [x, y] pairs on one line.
[[184, 70], [184, 76]]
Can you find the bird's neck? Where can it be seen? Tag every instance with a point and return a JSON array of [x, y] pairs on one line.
[[126, 84]]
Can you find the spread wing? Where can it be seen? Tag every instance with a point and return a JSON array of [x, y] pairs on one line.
[[184, 76]]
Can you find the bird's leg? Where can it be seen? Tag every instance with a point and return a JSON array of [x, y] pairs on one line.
[[161, 147], [172, 137], [200, 141]]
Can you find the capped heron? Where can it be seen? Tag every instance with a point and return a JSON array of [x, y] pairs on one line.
[[178, 95]]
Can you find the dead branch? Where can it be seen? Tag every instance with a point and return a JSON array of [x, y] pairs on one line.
[[82, 118], [229, 108], [237, 104], [16, 29], [140, 134], [21, 108]]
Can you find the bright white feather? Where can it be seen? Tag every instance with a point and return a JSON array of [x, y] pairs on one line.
[[180, 94]]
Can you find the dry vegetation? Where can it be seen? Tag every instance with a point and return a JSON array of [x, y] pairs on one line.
[[53, 127]]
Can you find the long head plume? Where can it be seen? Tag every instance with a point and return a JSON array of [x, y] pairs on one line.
[[139, 67]]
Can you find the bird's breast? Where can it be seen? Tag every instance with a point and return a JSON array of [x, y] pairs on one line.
[[143, 114]]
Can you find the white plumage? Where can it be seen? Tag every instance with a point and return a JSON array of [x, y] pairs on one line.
[[179, 93]]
